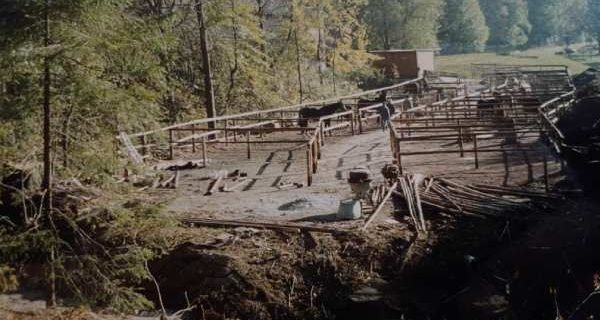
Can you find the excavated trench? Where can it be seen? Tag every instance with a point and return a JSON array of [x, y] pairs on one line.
[[526, 267]]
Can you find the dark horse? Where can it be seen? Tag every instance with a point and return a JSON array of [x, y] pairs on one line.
[[307, 113], [488, 107], [365, 102]]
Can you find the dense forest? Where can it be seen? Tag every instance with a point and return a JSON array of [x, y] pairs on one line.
[[130, 65], [77, 72]]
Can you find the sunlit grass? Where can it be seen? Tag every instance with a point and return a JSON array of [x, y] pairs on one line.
[[461, 63]]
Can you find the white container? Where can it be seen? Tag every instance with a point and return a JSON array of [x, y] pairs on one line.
[[349, 209]]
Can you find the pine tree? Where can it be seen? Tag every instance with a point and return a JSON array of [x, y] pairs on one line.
[[593, 20], [404, 24], [508, 23], [545, 17], [572, 21], [463, 27]]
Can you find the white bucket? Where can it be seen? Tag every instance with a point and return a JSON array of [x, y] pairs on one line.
[[349, 209]]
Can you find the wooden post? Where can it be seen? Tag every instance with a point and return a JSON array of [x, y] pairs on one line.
[[476, 154], [322, 133], [308, 167], [204, 151], [399, 156], [234, 131], [226, 133], [171, 145], [144, 148], [352, 123], [194, 138], [313, 152], [318, 145], [360, 124], [261, 131], [248, 144], [460, 141], [546, 183]]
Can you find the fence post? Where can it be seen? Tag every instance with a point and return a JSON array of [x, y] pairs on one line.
[[248, 144], [144, 149], [226, 133], [308, 167], [460, 140], [204, 151], [171, 144], [322, 133], [194, 138], [234, 130], [352, 123], [313, 152], [546, 183], [360, 124], [399, 156], [318, 146], [476, 153]]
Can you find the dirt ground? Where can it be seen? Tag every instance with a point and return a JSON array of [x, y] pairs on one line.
[[534, 264], [526, 266], [261, 199]]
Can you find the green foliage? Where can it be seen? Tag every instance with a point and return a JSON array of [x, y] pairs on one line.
[[463, 27], [508, 23], [545, 17], [572, 22], [100, 259], [592, 20], [402, 24]]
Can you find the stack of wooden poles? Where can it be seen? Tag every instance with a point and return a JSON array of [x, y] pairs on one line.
[[453, 197]]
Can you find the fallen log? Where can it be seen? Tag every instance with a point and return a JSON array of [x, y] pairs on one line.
[[288, 227]]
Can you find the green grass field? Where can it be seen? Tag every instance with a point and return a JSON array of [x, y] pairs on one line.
[[461, 63]]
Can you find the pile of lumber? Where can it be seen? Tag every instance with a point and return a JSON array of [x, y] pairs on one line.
[[478, 199], [410, 191], [441, 195]]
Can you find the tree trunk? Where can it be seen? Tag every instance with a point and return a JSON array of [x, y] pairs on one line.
[[320, 47], [47, 179], [235, 67], [299, 66], [65, 135], [319, 56], [208, 84]]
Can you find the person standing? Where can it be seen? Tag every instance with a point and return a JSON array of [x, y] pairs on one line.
[[384, 115]]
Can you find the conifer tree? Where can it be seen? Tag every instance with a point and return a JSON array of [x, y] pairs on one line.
[[592, 20], [402, 24], [463, 27], [508, 23]]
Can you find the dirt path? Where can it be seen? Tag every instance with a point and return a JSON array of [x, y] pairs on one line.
[[260, 198], [269, 167]]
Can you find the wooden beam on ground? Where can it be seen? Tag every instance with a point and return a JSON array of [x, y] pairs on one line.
[[279, 226]]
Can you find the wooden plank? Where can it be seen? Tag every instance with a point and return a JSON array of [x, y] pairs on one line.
[[288, 227], [379, 207], [292, 107]]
